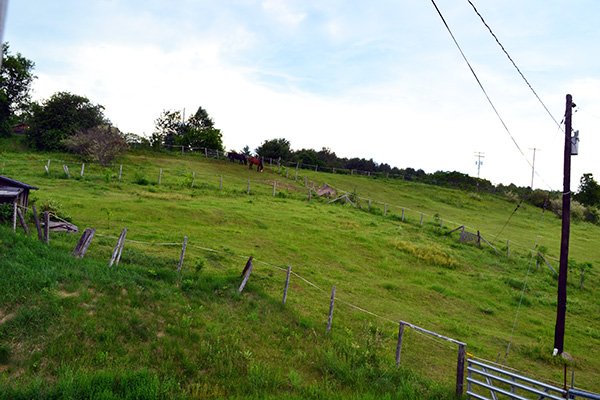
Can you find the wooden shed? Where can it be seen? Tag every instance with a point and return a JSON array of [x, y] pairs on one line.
[[12, 191]]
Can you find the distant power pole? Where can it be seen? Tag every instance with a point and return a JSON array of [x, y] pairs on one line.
[[533, 166], [561, 307], [479, 156]]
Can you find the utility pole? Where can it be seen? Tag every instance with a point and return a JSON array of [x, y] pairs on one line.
[[561, 308], [533, 166], [479, 156]]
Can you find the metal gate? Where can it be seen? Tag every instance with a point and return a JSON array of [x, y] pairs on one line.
[[485, 380]]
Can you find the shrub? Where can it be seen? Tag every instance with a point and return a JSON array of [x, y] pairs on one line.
[[6, 212], [101, 143]]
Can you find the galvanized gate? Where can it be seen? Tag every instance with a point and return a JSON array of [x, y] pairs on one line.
[[485, 380]]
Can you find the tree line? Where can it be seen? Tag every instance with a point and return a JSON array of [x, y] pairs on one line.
[[73, 123]]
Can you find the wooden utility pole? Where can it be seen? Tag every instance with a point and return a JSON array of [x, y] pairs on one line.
[[561, 308]]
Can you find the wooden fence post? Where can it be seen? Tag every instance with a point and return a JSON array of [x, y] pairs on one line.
[[83, 243], [287, 284], [352, 172], [478, 238], [460, 369], [287, 173], [331, 310], [22, 220], [221, 184], [248, 190], [37, 223], [316, 167], [47, 171], [421, 220], [508, 249], [120, 172], [369, 205], [193, 178], [296, 178], [309, 193], [66, 171], [441, 223], [402, 214], [47, 227], [399, 345], [274, 186], [82, 168], [159, 176], [182, 254], [118, 248], [15, 217], [246, 274]]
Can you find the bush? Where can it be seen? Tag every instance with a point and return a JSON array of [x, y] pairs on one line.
[[98, 144], [6, 213], [579, 212]]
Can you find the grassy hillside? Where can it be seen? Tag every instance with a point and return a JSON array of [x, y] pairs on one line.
[[74, 322]]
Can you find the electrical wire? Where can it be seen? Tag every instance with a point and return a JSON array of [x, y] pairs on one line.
[[513, 63]]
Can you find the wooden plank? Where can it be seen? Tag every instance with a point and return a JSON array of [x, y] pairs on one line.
[[248, 264], [113, 257], [37, 223], [331, 310], [82, 168], [121, 246], [86, 243], [460, 369], [22, 220], [15, 216]]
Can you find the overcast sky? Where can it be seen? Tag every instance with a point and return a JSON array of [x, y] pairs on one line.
[[375, 79]]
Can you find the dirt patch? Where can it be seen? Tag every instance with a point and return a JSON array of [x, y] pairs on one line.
[[63, 294], [5, 318]]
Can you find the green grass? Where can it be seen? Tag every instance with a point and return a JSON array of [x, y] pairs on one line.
[[69, 321]]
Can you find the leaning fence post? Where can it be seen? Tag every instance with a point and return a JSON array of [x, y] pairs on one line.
[[37, 223], [117, 247], [22, 220], [182, 254], [331, 310], [460, 369], [246, 274], [399, 345], [121, 246], [287, 284], [83, 243], [274, 186], [66, 171], [478, 238], [82, 168]]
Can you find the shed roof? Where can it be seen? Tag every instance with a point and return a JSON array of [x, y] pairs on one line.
[[5, 181], [6, 191]]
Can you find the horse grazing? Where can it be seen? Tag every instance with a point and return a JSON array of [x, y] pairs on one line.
[[235, 156], [258, 162]]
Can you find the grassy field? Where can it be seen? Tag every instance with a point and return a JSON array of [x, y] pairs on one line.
[[75, 323]]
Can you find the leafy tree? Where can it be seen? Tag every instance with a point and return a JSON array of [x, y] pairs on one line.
[[60, 117], [98, 144], [197, 131], [589, 191], [16, 77], [246, 151], [275, 148]]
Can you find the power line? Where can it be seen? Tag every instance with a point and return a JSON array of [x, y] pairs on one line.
[[513, 63]]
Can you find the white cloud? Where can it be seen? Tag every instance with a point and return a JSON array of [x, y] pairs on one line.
[[280, 11]]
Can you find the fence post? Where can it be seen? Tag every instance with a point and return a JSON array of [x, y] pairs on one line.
[[274, 186], [287, 284], [287, 173], [84, 242], [159, 176], [399, 345], [22, 220], [248, 191], [441, 223], [460, 369], [117, 247], [193, 178], [120, 171], [296, 178], [217, 154], [246, 274], [15, 217], [508, 248], [47, 227], [309, 193], [37, 223], [369, 205], [421, 220], [124, 233], [82, 168], [478, 238], [182, 254], [205, 153], [66, 171], [330, 310], [402, 214], [221, 184]]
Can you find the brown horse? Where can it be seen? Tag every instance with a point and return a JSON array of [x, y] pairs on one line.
[[256, 161]]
